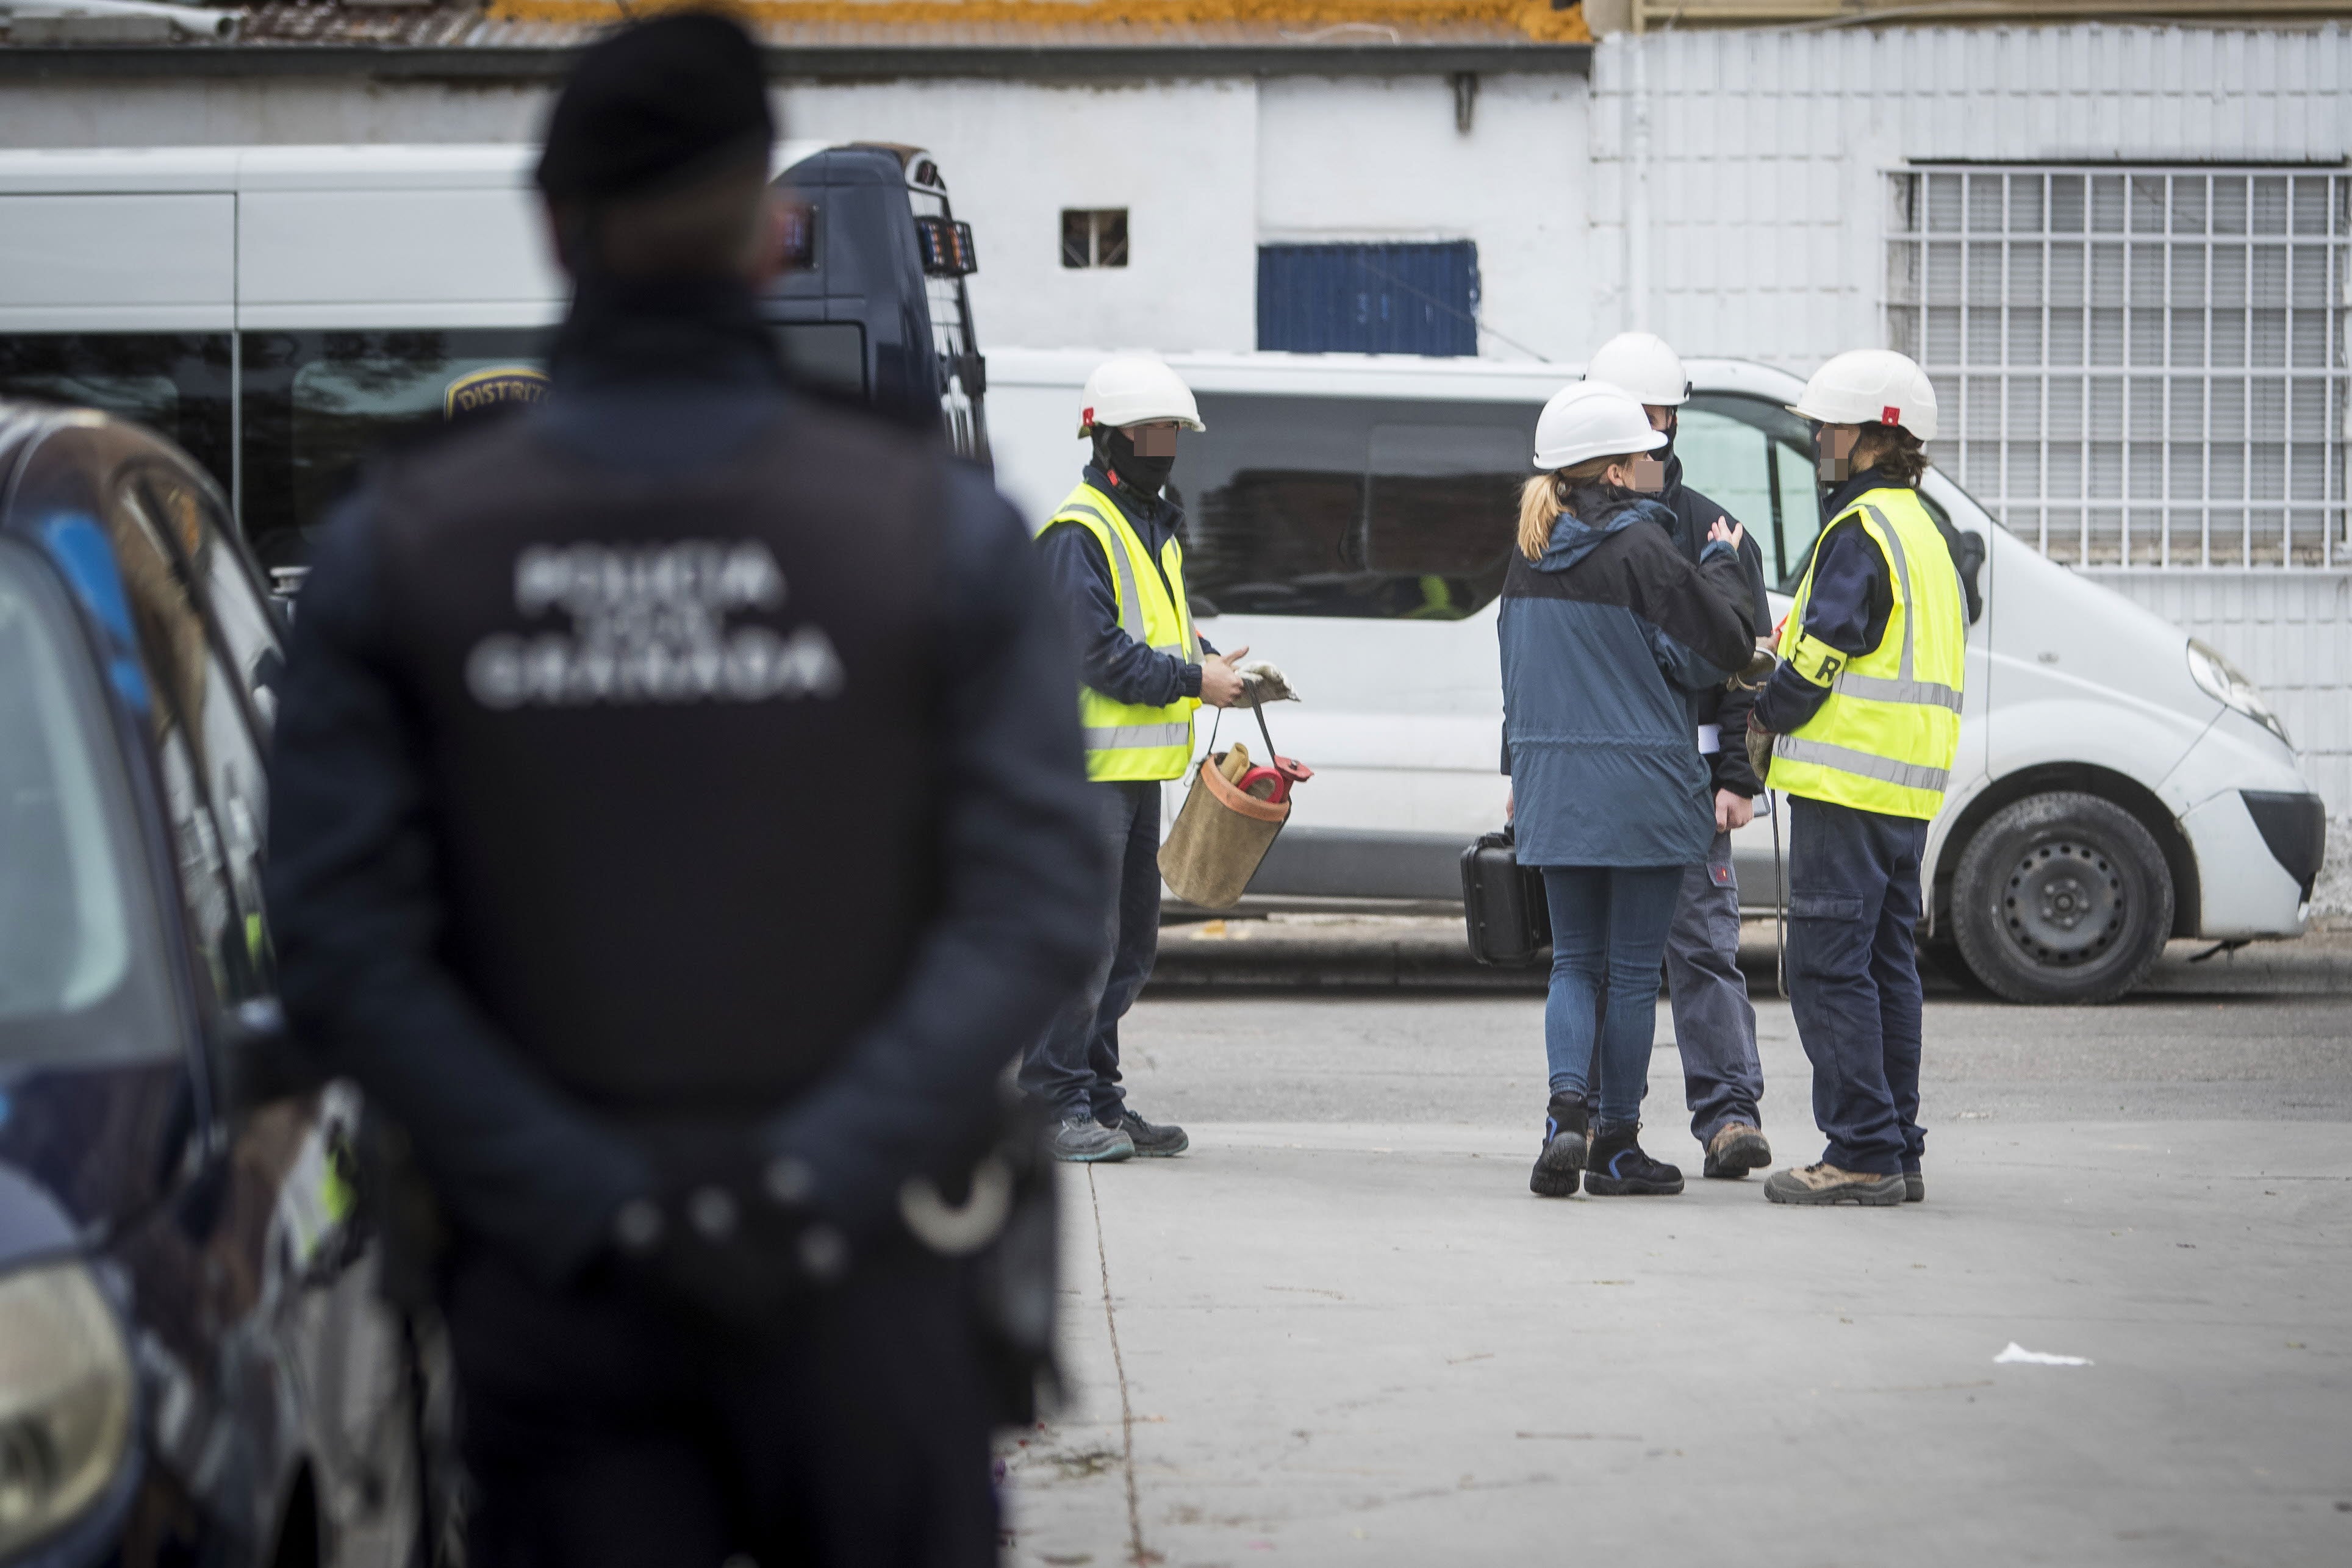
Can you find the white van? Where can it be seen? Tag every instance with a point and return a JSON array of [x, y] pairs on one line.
[[278, 311], [1351, 518]]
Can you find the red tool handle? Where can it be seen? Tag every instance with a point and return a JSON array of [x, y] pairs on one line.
[[1285, 773]]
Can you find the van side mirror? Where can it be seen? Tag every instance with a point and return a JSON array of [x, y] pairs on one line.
[[257, 1060]]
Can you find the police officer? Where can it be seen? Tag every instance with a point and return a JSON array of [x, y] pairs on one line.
[[1714, 1024], [1112, 552], [1863, 718], [679, 828]]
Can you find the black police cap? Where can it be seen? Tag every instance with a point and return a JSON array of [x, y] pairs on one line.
[[656, 104]]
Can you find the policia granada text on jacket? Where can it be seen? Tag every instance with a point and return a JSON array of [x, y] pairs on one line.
[[678, 825]]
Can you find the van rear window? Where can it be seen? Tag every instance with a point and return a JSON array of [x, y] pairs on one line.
[[1372, 507], [174, 383], [317, 404]]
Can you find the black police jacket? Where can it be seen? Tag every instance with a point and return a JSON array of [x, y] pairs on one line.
[[1694, 513], [677, 760]]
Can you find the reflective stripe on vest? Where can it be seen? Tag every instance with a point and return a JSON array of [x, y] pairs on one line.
[[1909, 775], [1122, 736], [1134, 742], [1885, 739], [1898, 691]]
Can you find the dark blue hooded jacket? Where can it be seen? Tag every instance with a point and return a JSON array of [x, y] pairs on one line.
[[1605, 640]]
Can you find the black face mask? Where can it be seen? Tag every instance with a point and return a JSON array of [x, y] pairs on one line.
[[1141, 476], [1650, 467]]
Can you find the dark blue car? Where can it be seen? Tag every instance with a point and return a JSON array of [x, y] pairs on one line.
[[196, 1366]]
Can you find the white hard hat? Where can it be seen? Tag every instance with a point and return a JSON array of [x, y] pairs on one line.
[[1135, 389], [1643, 364], [1870, 386], [1591, 419]]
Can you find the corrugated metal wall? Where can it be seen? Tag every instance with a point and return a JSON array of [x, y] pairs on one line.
[[1369, 298], [1748, 170], [1767, 151]]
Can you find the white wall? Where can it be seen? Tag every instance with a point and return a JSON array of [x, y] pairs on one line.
[[1752, 166], [1767, 150], [1372, 159], [1181, 157]]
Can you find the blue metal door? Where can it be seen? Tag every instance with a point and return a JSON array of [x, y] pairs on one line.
[[1369, 298]]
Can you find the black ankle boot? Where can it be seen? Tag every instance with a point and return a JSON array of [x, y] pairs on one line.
[[1617, 1169], [1562, 1154]]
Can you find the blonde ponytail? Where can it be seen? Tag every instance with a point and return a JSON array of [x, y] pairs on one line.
[[1544, 498], [1540, 507]]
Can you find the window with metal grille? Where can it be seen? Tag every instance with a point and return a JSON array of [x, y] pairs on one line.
[[2138, 367], [1094, 237]]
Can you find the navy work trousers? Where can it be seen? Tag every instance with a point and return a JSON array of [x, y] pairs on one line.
[[600, 1428], [1714, 1023], [1853, 978], [1072, 1070]]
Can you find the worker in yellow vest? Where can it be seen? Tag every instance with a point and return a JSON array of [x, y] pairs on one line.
[[1113, 556], [1864, 716]]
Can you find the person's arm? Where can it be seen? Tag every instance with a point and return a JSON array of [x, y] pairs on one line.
[[1695, 516], [1759, 598], [357, 906], [1022, 882], [1846, 613], [1108, 659], [1729, 766], [1697, 625]]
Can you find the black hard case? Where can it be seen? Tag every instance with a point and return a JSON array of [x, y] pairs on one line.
[[1503, 905]]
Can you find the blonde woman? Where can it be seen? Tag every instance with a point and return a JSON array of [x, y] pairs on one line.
[[1607, 630]]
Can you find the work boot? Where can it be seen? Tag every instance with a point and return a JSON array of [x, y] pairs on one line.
[[1915, 1186], [1735, 1149], [1151, 1140], [1617, 1167], [1567, 1129], [1826, 1183], [1085, 1140]]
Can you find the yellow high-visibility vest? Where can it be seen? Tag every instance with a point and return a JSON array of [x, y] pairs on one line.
[[1129, 742], [1885, 739]]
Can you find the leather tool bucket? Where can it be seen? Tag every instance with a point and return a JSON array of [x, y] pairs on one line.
[[1223, 833]]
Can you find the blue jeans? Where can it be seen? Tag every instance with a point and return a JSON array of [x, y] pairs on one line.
[[1715, 1026], [1607, 937], [1072, 1070], [1853, 978]]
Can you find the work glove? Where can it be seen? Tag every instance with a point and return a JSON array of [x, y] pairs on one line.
[[1263, 682], [1759, 752], [731, 1242], [1758, 671]]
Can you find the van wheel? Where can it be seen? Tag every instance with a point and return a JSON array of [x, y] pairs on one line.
[[2062, 898]]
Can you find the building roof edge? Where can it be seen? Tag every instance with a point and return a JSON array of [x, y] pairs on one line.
[[1040, 62]]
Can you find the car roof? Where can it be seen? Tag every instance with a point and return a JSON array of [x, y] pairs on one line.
[[29, 431], [22, 426]]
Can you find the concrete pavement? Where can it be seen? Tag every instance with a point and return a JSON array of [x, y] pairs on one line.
[[1342, 1331]]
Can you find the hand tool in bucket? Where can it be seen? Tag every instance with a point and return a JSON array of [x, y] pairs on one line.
[[1227, 825]]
